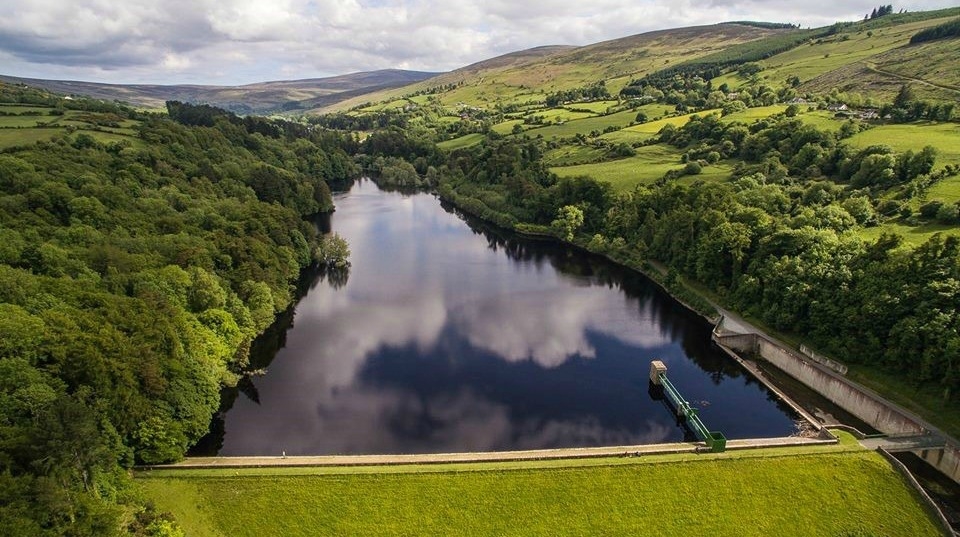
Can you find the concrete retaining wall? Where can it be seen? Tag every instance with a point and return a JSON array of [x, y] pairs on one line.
[[855, 399], [928, 502], [848, 395], [823, 360], [947, 460]]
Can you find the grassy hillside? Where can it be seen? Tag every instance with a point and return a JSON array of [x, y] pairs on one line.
[[824, 55], [846, 492], [530, 75]]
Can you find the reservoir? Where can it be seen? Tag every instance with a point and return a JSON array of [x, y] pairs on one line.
[[447, 335]]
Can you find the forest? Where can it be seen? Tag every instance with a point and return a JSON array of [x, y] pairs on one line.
[[133, 277]]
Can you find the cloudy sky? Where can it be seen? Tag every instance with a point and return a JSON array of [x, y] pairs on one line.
[[244, 41]]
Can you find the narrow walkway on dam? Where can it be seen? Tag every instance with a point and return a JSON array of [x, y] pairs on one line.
[[491, 456]]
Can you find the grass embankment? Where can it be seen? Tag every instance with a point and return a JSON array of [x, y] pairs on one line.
[[826, 491]]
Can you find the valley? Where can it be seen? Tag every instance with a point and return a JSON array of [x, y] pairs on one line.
[[192, 269]]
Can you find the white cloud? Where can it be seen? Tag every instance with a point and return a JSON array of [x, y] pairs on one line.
[[253, 40]]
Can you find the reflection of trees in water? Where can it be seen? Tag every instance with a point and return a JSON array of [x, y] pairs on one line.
[[336, 276], [263, 350]]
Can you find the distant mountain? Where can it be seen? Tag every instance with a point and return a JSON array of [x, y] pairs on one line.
[[259, 98]]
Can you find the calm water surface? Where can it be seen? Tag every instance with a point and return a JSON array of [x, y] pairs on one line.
[[449, 336]]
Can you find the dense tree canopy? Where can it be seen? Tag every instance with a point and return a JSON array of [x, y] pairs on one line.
[[133, 278]]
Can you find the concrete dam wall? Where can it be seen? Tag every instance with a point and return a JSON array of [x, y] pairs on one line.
[[848, 395]]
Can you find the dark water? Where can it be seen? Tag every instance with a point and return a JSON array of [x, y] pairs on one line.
[[448, 336]]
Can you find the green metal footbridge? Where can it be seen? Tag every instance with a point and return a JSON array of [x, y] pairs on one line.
[[713, 439]]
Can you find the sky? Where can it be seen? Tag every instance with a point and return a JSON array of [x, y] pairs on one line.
[[230, 42]]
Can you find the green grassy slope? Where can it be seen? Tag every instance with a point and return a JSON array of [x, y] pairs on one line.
[[844, 493], [531, 77]]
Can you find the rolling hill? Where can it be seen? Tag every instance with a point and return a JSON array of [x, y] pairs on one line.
[[872, 58], [259, 98], [529, 75]]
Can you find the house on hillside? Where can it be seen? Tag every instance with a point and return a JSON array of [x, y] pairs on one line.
[[838, 107]]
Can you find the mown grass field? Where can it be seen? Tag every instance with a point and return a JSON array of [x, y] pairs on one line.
[[645, 131], [650, 163], [832, 493], [466, 140]]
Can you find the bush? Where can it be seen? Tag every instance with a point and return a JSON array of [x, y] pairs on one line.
[[949, 213], [930, 209], [333, 251], [692, 168]]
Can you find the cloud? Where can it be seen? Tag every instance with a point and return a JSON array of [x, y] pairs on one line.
[[200, 41]]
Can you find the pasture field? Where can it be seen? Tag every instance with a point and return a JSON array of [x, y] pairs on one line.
[[25, 137], [947, 190], [13, 122], [945, 137], [912, 236], [506, 127], [848, 491], [821, 119], [650, 163], [572, 155], [751, 115], [834, 52], [13, 108], [597, 107], [466, 140], [586, 126], [561, 114], [17, 131]]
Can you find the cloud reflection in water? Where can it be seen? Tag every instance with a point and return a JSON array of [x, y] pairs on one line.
[[445, 339]]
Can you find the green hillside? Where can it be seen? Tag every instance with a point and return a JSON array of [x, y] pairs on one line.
[[521, 78]]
